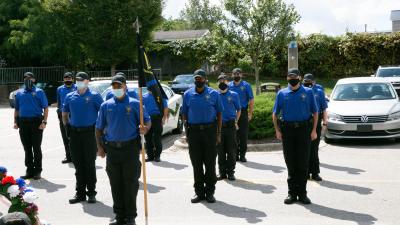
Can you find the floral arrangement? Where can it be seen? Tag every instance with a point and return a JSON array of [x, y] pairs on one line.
[[21, 196]]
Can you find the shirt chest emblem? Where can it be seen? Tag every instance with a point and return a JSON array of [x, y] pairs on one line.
[[303, 97], [87, 99], [33, 94], [242, 88], [207, 97], [128, 109], [229, 99]]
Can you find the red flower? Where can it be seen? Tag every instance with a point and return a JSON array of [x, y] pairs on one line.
[[8, 180]]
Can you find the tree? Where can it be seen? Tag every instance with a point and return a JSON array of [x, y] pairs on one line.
[[173, 24], [259, 26], [201, 14]]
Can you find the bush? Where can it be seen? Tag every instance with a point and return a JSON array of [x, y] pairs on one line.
[[261, 126]]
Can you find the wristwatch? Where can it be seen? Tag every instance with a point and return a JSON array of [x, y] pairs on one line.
[[324, 124], [44, 122]]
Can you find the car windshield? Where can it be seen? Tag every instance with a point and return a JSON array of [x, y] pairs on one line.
[[186, 79], [363, 91], [99, 87], [136, 89], [392, 72]]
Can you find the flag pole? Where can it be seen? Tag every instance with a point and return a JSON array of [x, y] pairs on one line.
[[146, 211]]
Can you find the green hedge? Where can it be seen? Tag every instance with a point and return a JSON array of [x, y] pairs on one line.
[[261, 125]]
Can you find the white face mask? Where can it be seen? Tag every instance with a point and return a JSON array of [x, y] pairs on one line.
[[81, 85], [118, 92]]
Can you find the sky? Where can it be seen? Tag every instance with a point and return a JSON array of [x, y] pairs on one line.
[[332, 17]]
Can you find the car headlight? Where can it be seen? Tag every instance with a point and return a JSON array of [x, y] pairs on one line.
[[394, 116], [334, 117]]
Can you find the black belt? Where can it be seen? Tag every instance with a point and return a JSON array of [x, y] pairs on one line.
[[155, 117], [228, 124], [244, 109], [201, 126], [81, 129], [30, 119], [120, 144], [297, 124]]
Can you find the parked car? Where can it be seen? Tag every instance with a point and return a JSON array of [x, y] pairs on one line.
[[174, 123], [100, 86], [49, 88], [392, 74], [364, 107], [181, 83]]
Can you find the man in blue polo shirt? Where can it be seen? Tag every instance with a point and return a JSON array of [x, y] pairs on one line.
[[153, 137], [202, 113], [130, 92], [247, 102], [62, 92], [296, 108], [230, 116], [309, 81], [117, 135], [80, 112], [30, 117]]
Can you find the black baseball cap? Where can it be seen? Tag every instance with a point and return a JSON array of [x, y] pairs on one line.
[[15, 218], [68, 74], [199, 73], [294, 71], [222, 77], [82, 76], [120, 79], [237, 70], [29, 75], [120, 73], [308, 77]]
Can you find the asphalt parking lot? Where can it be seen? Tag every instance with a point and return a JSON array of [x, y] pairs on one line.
[[361, 186]]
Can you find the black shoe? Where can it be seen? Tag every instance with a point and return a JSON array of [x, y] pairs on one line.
[[197, 199], [77, 199], [290, 199], [37, 176], [316, 177], [92, 199], [237, 158], [117, 221], [304, 200], [221, 177], [243, 159], [27, 176], [66, 160], [149, 159], [157, 159], [210, 198], [130, 221], [231, 177]]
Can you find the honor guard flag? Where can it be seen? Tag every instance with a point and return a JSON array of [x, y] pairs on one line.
[[147, 77]]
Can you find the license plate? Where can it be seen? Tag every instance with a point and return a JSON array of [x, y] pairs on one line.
[[364, 128]]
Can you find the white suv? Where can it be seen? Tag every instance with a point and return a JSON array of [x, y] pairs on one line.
[[392, 74]]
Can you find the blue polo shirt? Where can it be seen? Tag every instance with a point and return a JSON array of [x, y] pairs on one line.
[[83, 109], [295, 106], [131, 93], [201, 108], [151, 105], [320, 99], [30, 103], [319, 87], [244, 90], [231, 102], [62, 92], [120, 119]]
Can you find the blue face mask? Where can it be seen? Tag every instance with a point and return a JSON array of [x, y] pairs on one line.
[[81, 85], [118, 92]]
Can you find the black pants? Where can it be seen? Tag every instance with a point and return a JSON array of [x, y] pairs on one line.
[[202, 151], [296, 150], [31, 138], [123, 169], [83, 154], [242, 133], [65, 136], [153, 138], [314, 158], [227, 151]]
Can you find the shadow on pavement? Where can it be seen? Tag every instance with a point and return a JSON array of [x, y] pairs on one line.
[[98, 210], [151, 188], [259, 166], [263, 188], [50, 187], [349, 170], [165, 164], [360, 218], [250, 215], [346, 187]]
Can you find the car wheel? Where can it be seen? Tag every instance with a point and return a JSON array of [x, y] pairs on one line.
[[397, 140], [179, 126]]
